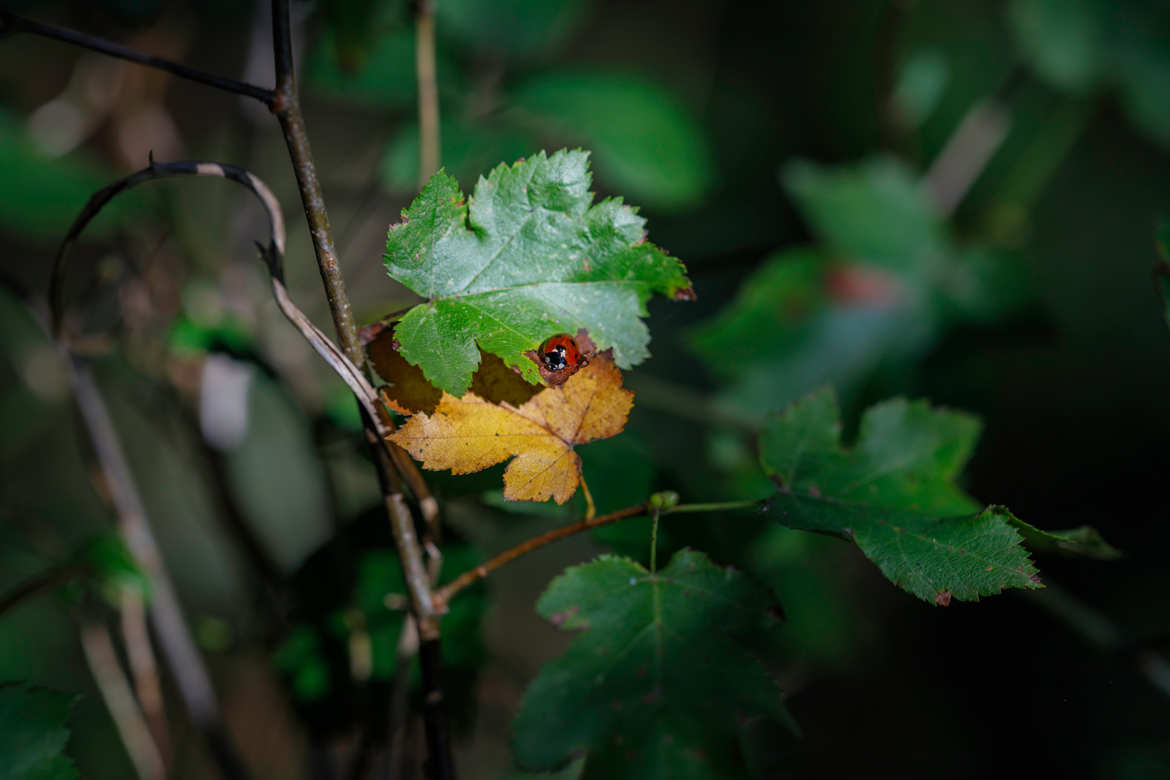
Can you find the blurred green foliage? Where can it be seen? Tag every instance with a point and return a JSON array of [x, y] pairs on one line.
[[33, 733]]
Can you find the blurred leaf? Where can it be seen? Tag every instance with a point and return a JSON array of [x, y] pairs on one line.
[[1162, 267], [467, 149], [1064, 40], [872, 212], [189, 336], [645, 141], [822, 619], [354, 26], [894, 494], [301, 658], [571, 772], [635, 688], [532, 259], [275, 472], [1143, 71], [1075, 44], [877, 296], [798, 323], [40, 195], [983, 285], [920, 86], [511, 27], [33, 733], [383, 77], [114, 567]]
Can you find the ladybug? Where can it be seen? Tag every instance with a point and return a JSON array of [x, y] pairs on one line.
[[560, 353]]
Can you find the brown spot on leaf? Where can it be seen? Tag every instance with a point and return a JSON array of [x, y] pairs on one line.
[[942, 598], [686, 294]]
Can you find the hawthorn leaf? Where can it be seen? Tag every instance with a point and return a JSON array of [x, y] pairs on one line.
[[408, 390], [33, 733], [635, 688], [470, 434], [894, 495], [528, 257], [1081, 542]]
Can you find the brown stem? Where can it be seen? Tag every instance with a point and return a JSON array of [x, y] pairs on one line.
[[10, 22], [443, 595], [287, 109], [428, 91]]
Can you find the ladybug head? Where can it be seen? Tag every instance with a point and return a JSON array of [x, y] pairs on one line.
[[554, 358]]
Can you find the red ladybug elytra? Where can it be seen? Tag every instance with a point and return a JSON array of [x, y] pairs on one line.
[[560, 353]]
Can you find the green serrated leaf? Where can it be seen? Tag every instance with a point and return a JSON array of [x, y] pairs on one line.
[[1082, 542], [33, 733], [635, 689], [528, 257], [894, 495]]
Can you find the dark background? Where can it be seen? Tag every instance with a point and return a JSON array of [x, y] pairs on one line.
[[1071, 382]]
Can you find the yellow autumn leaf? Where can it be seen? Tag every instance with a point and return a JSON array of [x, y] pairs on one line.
[[469, 434]]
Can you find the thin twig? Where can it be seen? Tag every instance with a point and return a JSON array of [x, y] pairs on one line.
[[966, 154], [50, 578], [10, 22], [287, 109], [970, 147], [166, 617], [274, 256], [428, 91], [144, 669], [102, 660], [444, 594]]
